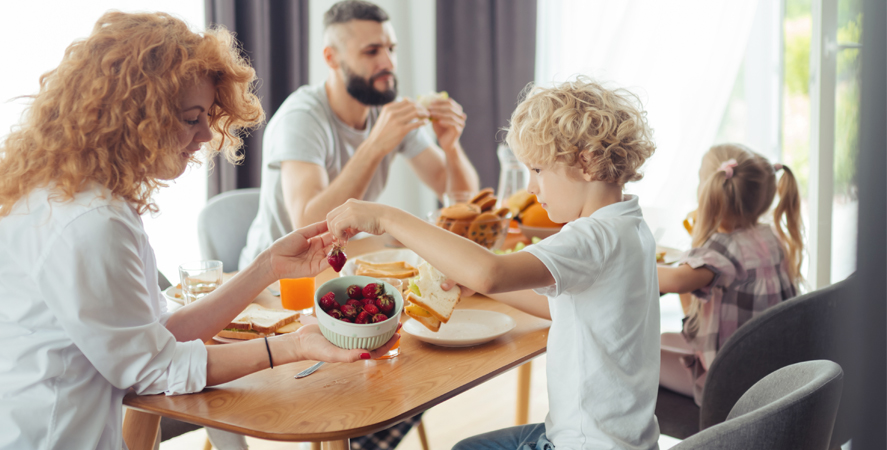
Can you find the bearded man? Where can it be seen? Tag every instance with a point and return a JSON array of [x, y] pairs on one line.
[[331, 142]]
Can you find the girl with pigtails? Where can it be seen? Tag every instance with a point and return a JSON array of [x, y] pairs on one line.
[[738, 266]]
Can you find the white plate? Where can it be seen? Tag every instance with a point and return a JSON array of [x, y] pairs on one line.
[[466, 327], [672, 255], [170, 294], [382, 256]]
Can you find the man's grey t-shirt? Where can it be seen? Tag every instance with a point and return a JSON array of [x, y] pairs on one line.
[[305, 128]]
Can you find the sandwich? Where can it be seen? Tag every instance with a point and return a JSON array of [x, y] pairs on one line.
[[256, 321], [396, 269], [427, 99], [430, 305]]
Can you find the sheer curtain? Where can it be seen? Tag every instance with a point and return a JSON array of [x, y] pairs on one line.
[[681, 58], [36, 34]]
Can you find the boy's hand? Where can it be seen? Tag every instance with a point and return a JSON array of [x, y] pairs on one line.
[[355, 216], [449, 283]]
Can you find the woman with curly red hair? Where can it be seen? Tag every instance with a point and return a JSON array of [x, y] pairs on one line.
[[83, 320]]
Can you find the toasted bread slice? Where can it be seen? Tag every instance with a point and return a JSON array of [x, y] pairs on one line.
[[289, 328], [241, 334], [438, 302], [262, 320], [382, 273], [393, 265], [422, 316]]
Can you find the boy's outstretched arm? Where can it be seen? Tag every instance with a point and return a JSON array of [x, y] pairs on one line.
[[464, 261], [526, 300]]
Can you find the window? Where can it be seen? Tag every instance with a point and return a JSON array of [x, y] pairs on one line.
[[36, 40]]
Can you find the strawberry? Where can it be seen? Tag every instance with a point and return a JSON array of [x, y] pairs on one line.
[[328, 302], [368, 301], [345, 319], [355, 292], [373, 290], [363, 317], [337, 258], [355, 303], [379, 318], [371, 309], [349, 311], [336, 314], [386, 304]]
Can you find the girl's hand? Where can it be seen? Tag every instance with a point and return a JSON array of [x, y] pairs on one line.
[[355, 216], [314, 347], [301, 253]]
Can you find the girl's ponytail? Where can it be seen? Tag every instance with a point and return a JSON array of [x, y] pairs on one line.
[[714, 202], [787, 219]]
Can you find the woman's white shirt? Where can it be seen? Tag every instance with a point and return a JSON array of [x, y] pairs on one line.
[[82, 320]]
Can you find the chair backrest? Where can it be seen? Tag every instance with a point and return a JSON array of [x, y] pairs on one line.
[[796, 330], [223, 223], [792, 408]]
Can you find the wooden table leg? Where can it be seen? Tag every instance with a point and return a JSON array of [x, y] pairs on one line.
[[523, 393], [140, 429], [344, 444], [315, 446]]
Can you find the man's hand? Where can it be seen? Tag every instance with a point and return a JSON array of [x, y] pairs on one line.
[[394, 122], [448, 121]]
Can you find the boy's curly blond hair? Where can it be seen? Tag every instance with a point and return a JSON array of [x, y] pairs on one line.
[[603, 132]]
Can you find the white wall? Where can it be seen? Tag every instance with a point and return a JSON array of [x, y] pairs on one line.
[[35, 34], [414, 26]]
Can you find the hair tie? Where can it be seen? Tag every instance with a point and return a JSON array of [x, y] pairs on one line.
[[777, 167], [727, 167]]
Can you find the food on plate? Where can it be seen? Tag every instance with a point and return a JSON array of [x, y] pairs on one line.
[[427, 99], [256, 321], [337, 257], [430, 304], [660, 257], [373, 306], [527, 210], [395, 269], [478, 219]]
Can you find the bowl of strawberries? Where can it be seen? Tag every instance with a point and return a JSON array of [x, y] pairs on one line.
[[357, 311]]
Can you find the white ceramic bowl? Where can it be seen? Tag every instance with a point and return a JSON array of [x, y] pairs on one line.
[[369, 336]]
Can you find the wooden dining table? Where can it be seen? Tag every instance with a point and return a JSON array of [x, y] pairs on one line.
[[341, 400]]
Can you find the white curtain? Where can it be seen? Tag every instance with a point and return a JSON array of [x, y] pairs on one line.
[[680, 57]]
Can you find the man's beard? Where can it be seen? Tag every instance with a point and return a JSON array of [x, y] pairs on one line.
[[363, 91]]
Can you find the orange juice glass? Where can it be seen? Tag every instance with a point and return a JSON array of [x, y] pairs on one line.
[[297, 294]]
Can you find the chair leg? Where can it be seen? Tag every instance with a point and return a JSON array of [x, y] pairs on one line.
[[207, 445], [423, 438], [523, 393]]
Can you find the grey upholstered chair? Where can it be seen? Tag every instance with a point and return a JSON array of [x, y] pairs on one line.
[[801, 329], [223, 223], [792, 408]]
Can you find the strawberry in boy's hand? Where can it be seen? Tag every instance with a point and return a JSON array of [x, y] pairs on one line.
[[337, 257]]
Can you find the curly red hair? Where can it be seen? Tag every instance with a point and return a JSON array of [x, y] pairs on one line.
[[110, 113]]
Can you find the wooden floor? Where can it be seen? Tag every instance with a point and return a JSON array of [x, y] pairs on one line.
[[487, 407]]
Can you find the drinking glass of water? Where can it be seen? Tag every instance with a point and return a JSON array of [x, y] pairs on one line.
[[199, 278]]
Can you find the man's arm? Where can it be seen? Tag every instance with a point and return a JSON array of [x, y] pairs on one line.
[[443, 172], [308, 192]]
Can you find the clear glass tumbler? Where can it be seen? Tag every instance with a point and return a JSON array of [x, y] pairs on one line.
[[199, 278]]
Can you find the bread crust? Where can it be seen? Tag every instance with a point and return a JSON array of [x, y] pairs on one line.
[[419, 301], [244, 335]]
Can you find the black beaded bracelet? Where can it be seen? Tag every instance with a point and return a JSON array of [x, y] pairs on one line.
[[268, 347]]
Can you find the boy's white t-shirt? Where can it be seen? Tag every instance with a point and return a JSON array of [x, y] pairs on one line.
[[603, 346]]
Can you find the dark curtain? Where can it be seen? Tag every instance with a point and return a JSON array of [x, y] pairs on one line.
[[274, 36], [486, 55], [864, 321]]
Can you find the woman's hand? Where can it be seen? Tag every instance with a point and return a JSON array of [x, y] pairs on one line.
[[356, 216], [301, 253], [314, 347]]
